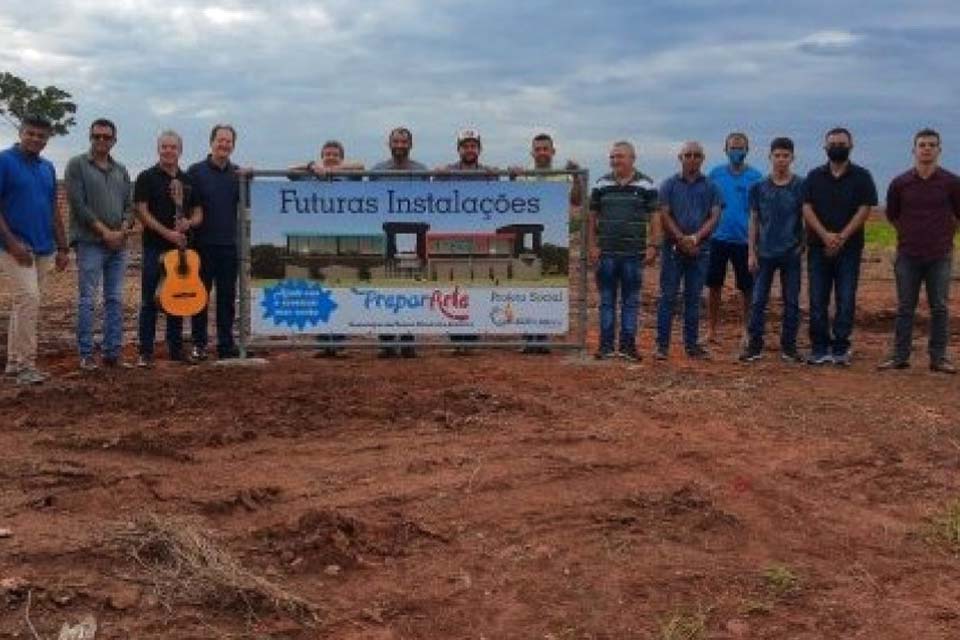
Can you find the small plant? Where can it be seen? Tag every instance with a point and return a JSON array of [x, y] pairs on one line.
[[781, 580], [684, 626], [945, 527]]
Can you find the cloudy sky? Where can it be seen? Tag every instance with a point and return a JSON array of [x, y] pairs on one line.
[[292, 74]]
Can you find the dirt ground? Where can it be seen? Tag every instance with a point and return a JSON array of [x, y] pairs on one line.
[[492, 497]]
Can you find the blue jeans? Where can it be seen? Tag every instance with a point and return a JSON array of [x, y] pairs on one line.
[[791, 269], [621, 275], [839, 274], [218, 269], [150, 273], [910, 274], [675, 268], [96, 263]]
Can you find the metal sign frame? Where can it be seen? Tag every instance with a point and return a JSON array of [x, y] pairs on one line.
[[247, 340]]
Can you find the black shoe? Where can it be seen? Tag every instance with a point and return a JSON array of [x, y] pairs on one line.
[[662, 353], [603, 354], [893, 363], [115, 362], [630, 355], [943, 366], [182, 358], [791, 355], [697, 352], [199, 353], [751, 354], [145, 361]]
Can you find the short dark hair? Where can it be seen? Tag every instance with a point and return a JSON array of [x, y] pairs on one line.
[[839, 130], [227, 127], [36, 121], [783, 143], [400, 130], [333, 144], [543, 137], [103, 122], [926, 132], [735, 134]]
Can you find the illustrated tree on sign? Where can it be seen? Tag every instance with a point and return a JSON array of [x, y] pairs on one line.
[[18, 98]]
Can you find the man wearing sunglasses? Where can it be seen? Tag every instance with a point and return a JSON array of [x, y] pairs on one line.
[[689, 210], [31, 238], [101, 217], [838, 197]]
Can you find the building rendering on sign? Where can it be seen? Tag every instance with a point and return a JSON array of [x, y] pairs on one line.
[[512, 252]]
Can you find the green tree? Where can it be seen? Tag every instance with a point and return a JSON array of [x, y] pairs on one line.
[[18, 98]]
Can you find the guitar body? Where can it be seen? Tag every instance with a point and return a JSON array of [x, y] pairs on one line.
[[181, 292]]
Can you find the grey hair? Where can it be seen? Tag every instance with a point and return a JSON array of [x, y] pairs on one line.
[[170, 133], [626, 144]]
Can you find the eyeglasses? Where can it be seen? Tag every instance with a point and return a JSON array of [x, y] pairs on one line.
[[692, 155], [101, 136]]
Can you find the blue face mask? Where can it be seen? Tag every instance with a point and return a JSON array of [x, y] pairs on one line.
[[737, 156]]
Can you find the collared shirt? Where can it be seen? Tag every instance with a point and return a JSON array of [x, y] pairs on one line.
[[95, 193], [153, 188], [393, 165], [836, 199], [925, 212], [779, 209], [28, 188], [623, 211], [690, 201], [218, 193], [735, 187]]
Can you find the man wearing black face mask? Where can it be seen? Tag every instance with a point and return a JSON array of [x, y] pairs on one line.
[[837, 200]]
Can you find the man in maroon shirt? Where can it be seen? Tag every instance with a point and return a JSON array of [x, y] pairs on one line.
[[923, 205]]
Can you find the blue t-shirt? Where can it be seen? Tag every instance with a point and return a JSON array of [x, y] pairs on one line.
[[779, 216], [690, 202], [735, 217], [28, 187]]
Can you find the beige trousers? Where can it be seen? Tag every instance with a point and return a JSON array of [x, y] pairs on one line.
[[25, 286]]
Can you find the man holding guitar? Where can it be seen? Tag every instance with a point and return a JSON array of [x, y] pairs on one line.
[[160, 193]]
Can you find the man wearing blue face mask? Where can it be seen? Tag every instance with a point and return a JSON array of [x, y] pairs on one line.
[[729, 242]]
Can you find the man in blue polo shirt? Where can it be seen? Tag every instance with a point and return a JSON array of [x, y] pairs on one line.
[[32, 236], [729, 241], [216, 185], [689, 209]]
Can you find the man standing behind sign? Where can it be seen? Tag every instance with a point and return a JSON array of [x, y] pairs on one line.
[[216, 184], [400, 141], [621, 205], [468, 148], [923, 205], [101, 211], [542, 150], [156, 196], [30, 232]]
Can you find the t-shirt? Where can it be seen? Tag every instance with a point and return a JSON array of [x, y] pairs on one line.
[[690, 202], [836, 200], [779, 216], [218, 192], [926, 213], [153, 187], [623, 213], [735, 187], [391, 165], [483, 172], [28, 187]]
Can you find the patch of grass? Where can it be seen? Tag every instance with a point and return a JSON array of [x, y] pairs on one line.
[[754, 607], [684, 625], [781, 580], [945, 527], [880, 234]]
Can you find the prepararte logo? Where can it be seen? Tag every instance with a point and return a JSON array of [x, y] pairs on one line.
[[503, 315], [453, 304], [297, 303]]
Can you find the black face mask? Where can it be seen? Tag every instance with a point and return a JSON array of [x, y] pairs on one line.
[[838, 154]]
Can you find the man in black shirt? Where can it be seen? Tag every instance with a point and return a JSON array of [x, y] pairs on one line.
[[837, 200], [157, 193]]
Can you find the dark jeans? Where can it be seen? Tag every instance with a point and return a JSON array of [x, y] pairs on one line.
[[675, 268], [791, 270], [150, 273], [218, 269], [839, 274], [934, 275], [621, 275]]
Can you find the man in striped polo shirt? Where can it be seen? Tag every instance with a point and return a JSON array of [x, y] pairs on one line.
[[621, 205]]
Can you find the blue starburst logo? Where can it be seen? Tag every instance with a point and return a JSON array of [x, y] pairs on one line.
[[297, 303]]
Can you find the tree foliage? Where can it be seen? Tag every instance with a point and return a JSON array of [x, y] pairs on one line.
[[18, 98]]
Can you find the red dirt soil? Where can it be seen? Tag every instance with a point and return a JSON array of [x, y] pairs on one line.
[[498, 496]]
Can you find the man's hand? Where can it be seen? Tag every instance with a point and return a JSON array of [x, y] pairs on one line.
[[61, 260], [182, 225], [752, 263], [594, 254], [688, 244], [318, 169], [113, 239], [21, 253], [572, 165], [175, 237]]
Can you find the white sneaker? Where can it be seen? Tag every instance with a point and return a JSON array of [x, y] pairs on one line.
[[29, 375]]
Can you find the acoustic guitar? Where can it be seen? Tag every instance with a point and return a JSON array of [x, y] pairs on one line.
[[181, 292]]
